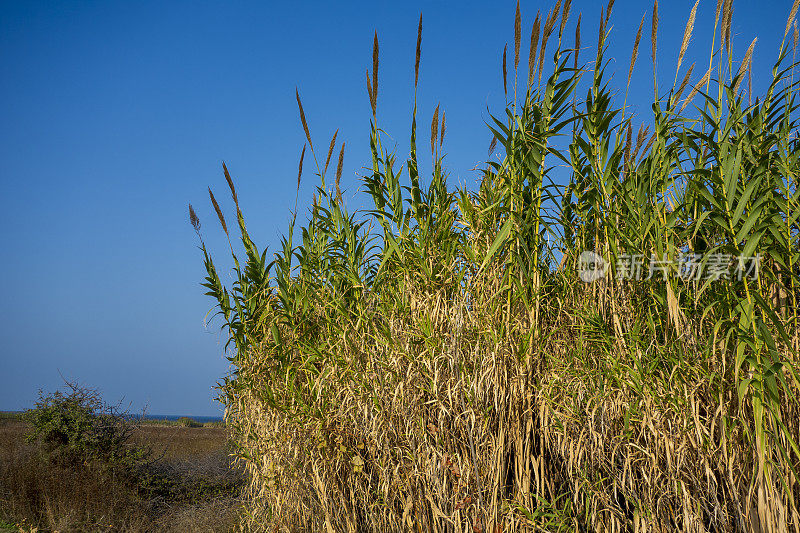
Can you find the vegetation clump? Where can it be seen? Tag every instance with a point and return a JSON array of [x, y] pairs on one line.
[[440, 362]]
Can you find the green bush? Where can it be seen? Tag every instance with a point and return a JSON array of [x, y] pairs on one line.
[[78, 427], [186, 422]]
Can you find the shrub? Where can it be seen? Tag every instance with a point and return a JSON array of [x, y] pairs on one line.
[[77, 427], [187, 422]]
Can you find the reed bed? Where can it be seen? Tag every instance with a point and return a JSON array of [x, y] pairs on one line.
[[438, 363]]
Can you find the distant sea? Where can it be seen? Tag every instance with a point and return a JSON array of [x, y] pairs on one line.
[[148, 416], [202, 419]]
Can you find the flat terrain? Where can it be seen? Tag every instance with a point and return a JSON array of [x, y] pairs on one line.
[[189, 485]]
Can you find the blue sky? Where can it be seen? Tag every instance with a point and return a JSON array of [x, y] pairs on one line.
[[116, 115]]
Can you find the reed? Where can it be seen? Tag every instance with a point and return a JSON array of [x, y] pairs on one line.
[[436, 363]]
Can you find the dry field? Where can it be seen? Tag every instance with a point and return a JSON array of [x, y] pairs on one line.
[[189, 486]]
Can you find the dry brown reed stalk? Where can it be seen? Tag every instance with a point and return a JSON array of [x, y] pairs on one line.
[[635, 52], [230, 185], [517, 35], [577, 39], [194, 220], [687, 35], [434, 129], [505, 72], [303, 117], [219, 212], [419, 49], [339, 174], [748, 57], [330, 150], [717, 12], [532, 49], [442, 130], [375, 72]]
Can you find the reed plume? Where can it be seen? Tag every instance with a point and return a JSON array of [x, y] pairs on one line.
[[725, 30], [532, 49], [748, 56], [371, 94], [300, 166], [375, 73], [654, 32], [564, 17], [303, 117], [687, 35], [434, 128], [442, 130], [517, 36], [230, 185], [547, 30], [219, 212], [330, 150], [505, 74], [419, 49], [635, 52], [696, 88], [339, 174], [577, 39], [194, 220], [684, 83], [792, 14]]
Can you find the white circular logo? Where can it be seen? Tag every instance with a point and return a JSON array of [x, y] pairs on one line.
[[591, 266]]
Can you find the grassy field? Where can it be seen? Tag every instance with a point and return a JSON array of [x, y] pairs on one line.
[[188, 486]]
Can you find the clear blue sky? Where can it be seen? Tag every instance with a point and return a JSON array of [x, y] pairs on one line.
[[116, 115]]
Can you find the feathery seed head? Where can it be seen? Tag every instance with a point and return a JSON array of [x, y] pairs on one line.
[[745, 65], [683, 84], [194, 220], [532, 50], [687, 34], [419, 46], [300, 166], [434, 128], [303, 117], [375, 72], [330, 150], [654, 32], [635, 53], [505, 72], [442, 130], [230, 185], [517, 35], [219, 212], [577, 39], [339, 174], [792, 14], [564, 17]]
